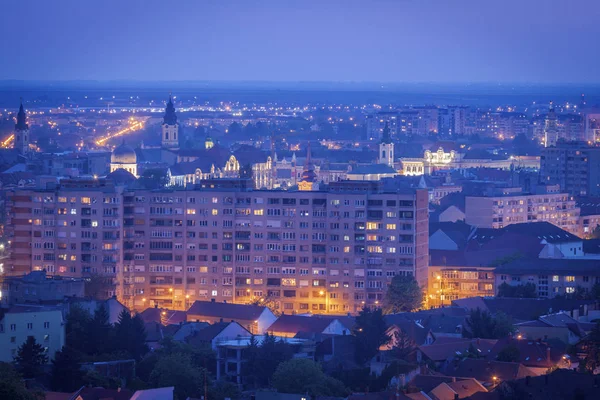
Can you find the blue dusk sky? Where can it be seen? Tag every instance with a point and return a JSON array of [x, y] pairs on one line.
[[446, 41]]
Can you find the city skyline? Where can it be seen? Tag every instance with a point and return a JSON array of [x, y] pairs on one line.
[[536, 42]]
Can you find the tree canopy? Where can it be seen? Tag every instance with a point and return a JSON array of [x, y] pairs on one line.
[[481, 324], [30, 358], [527, 290], [370, 332], [305, 376], [403, 294], [13, 387]]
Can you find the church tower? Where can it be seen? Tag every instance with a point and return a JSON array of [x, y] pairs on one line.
[[386, 148], [308, 181], [550, 128], [22, 132], [170, 127]]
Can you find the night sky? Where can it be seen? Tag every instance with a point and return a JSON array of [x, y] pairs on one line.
[[537, 41]]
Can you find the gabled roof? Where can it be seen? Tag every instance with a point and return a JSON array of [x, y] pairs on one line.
[[298, 323], [413, 330], [98, 393], [450, 349], [227, 311], [521, 309], [209, 333], [169, 317], [485, 370], [531, 353]]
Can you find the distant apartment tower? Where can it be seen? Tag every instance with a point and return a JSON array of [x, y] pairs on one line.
[[170, 127], [377, 122], [22, 132], [329, 250], [551, 128], [386, 148], [518, 208], [573, 166]]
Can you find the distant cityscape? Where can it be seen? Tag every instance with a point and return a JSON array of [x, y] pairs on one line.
[[210, 222]]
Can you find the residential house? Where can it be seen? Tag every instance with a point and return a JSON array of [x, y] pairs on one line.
[[112, 305], [560, 326], [406, 332], [291, 325], [255, 319], [218, 332], [536, 355], [457, 389], [45, 323], [521, 310], [231, 353], [489, 373], [559, 385], [448, 349], [163, 316]]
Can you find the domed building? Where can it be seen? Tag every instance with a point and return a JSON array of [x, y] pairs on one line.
[[124, 157]]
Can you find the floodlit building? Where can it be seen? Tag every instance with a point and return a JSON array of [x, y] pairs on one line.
[[334, 249]]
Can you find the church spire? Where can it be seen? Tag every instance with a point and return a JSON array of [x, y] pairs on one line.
[[385, 137], [170, 117], [308, 175], [21, 124]]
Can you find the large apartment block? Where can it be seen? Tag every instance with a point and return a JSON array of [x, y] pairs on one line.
[[333, 250], [518, 208], [573, 166]]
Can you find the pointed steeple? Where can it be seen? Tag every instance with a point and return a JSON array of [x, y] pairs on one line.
[[551, 111], [21, 124], [170, 117], [308, 175], [385, 137]]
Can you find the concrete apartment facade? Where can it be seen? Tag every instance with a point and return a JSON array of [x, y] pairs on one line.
[[573, 166], [332, 250], [552, 277], [45, 324], [499, 211]]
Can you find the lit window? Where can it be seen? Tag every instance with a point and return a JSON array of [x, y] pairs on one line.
[[569, 279], [555, 278]]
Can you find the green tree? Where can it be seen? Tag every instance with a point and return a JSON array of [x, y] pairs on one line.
[[403, 294], [221, 390], [178, 370], [526, 291], [370, 332], [30, 358], [76, 328], [481, 324], [66, 375], [100, 332], [13, 387], [591, 346], [305, 376], [510, 353], [130, 335]]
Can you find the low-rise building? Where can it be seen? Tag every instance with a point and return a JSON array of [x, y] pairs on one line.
[[37, 287], [291, 325], [551, 276], [255, 319], [45, 324]]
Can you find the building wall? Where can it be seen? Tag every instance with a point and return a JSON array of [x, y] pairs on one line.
[[458, 282], [316, 251], [46, 326], [498, 212], [575, 167], [16, 290], [452, 214], [550, 284]]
